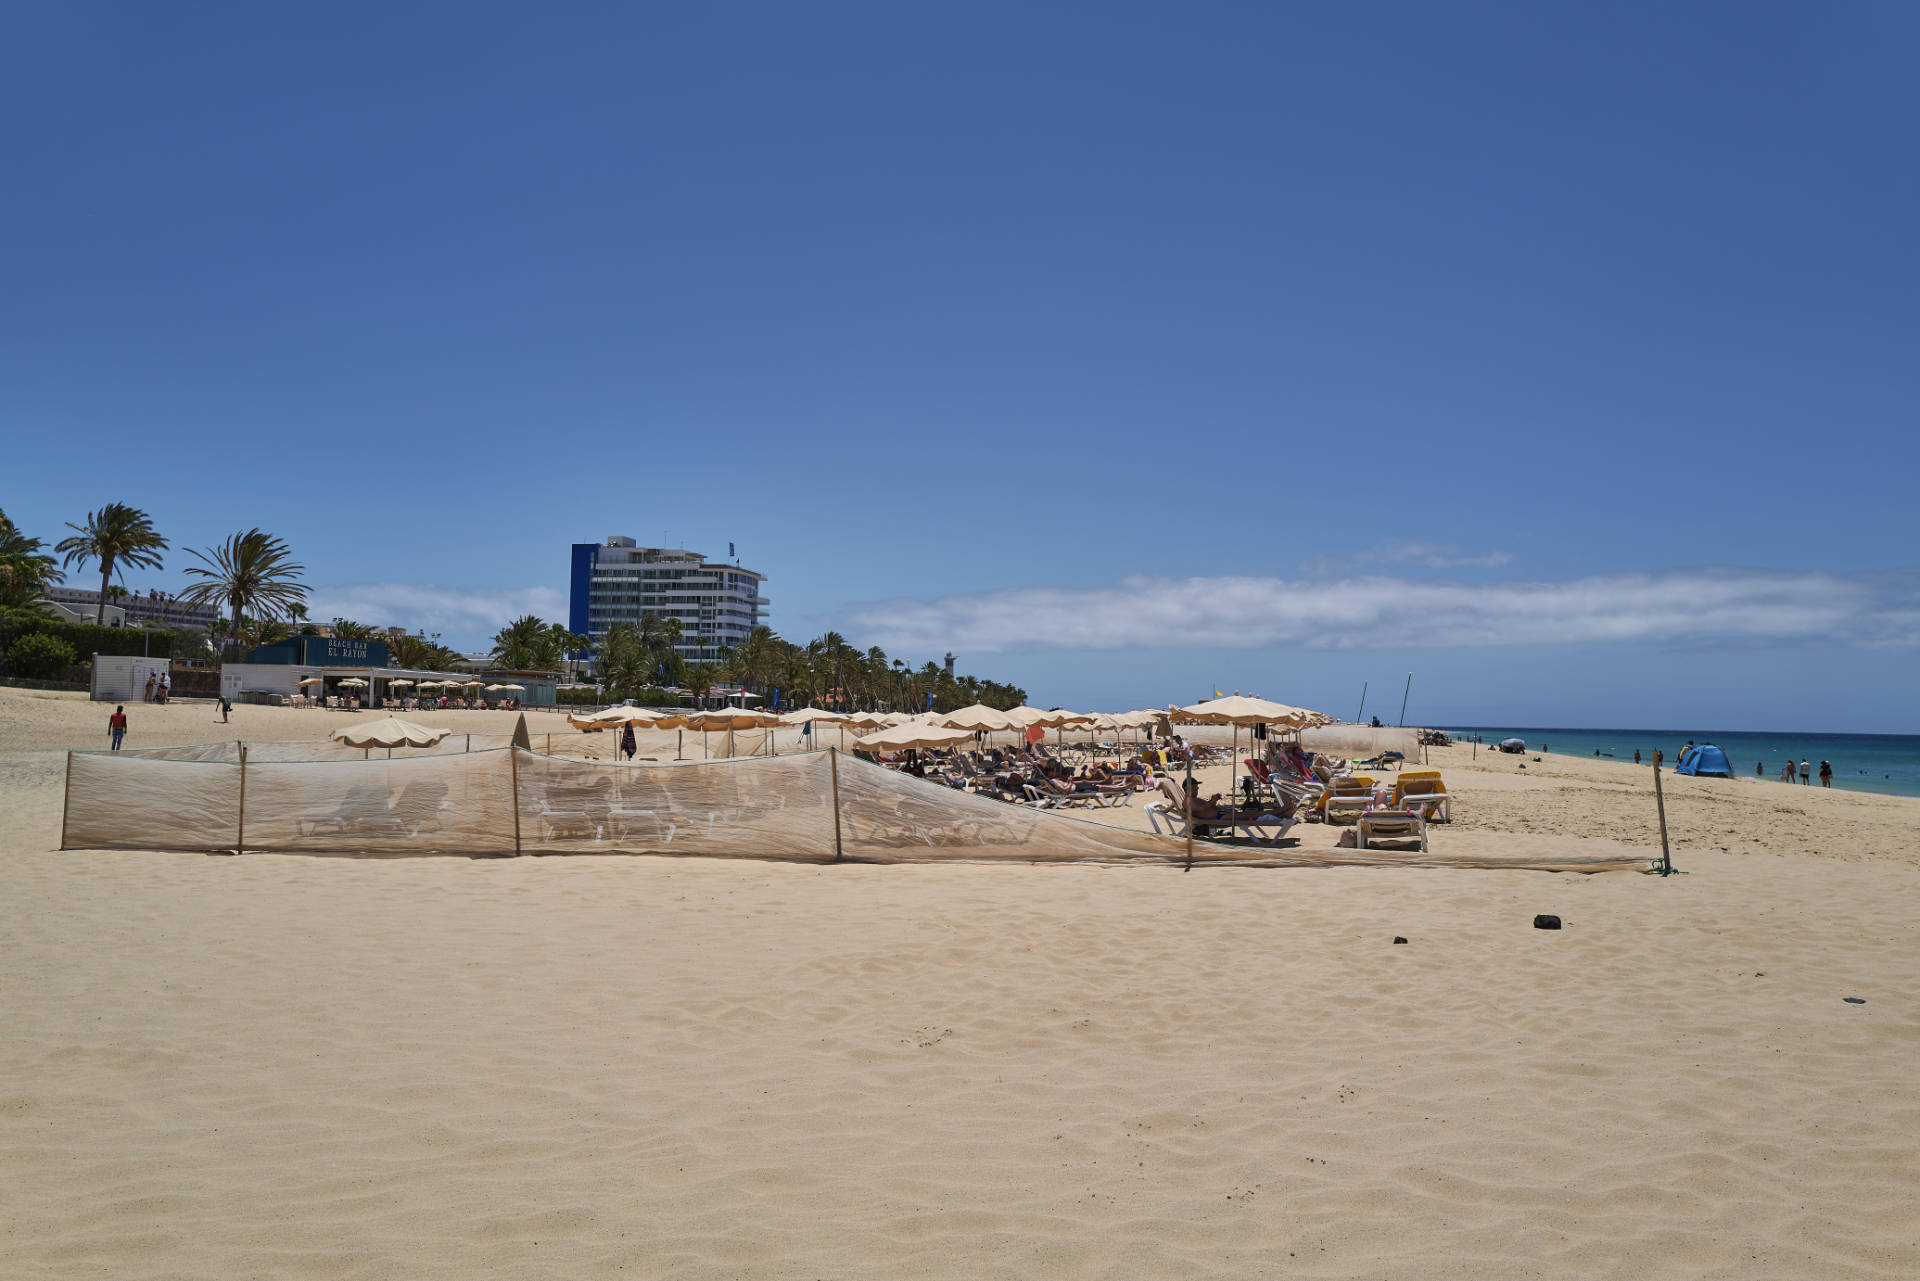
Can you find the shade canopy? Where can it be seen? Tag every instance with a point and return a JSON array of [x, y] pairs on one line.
[[495, 689], [867, 720], [978, 717], [1238, 709], [1059, 717], [803, 715], [521, 688], [399, 681], [898, 738], [313, 680], [353, 680], [390, 732], [1024, 716]]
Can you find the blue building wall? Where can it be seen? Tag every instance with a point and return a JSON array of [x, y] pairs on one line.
[[585, 557]]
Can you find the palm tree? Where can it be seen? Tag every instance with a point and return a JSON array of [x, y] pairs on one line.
[[249, 571], [25, 572], [117, 536], [522, 644], [699, 679]]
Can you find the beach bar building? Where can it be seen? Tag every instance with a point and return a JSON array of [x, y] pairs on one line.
[[273, 672]]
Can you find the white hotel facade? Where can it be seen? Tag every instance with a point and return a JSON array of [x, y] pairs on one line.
[[616, 581]]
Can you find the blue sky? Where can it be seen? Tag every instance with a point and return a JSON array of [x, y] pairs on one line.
[[1564, 357]]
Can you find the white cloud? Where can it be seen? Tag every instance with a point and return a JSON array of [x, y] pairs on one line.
[[461, 615], [1431, 555], [1378, 611]]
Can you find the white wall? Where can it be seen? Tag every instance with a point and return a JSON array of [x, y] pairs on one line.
[[119, 679], [272, 678]]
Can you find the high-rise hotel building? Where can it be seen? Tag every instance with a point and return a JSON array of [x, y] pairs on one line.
[[617, 581]]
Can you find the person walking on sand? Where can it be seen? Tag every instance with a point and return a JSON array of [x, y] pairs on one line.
[[1806, 775], [225, 707], [117, 725]]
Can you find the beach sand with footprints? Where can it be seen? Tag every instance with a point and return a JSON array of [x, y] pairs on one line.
[[335, 1068]]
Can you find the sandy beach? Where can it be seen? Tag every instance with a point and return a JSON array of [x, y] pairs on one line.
[[296, 1067]]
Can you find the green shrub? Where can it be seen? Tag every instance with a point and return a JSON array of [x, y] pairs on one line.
[[39, 656]]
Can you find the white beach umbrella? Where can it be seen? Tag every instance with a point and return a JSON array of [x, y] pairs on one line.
[[312, 680], [355, 682]]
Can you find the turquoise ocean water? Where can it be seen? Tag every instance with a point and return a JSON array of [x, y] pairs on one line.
[[1861, 762]]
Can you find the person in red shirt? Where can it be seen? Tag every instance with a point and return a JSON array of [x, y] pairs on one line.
[[117, 725]]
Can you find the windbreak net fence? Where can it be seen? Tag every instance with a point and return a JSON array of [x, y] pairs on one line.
[[813, 807]]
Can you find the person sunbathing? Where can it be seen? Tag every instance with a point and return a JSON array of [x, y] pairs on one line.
[[1211, 808]]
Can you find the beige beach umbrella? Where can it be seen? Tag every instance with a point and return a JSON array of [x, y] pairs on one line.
[[817, 716], [354, 682], [400, 682], [730, 718], [1024, 716], [312, 680], [495, 689], [978, 717], [805, 715], [615, 716], [1237, 710], [389, 732], [898, 738]]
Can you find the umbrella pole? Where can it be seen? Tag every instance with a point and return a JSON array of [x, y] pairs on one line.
[[1233, 766]]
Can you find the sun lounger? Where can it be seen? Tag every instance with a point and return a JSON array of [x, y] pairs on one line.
[[1392, 825], [363, 806], [1254, 822], [1427, 788], [419, 807], [1347, 798]]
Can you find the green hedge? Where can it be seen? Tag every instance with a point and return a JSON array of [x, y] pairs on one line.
[[86, 639]]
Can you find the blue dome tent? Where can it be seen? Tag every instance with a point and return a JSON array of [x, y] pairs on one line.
[[1706, 761]]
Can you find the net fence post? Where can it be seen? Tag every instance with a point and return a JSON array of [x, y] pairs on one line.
[[66, 801], [513, 766], [240, 833], [1660, 799], [833, 769]]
